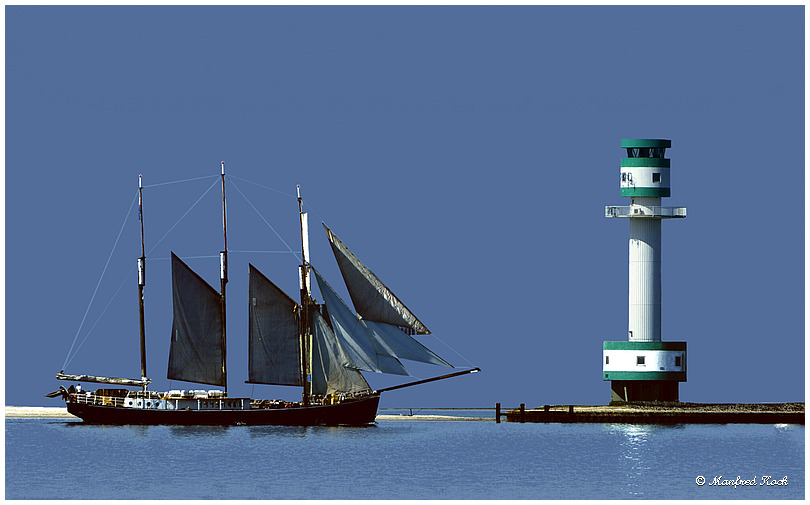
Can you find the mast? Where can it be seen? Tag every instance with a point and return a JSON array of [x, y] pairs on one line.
[[306, 302], [141, 284], [223, 274]]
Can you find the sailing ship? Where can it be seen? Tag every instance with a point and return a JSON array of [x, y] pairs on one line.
[[321, 347]]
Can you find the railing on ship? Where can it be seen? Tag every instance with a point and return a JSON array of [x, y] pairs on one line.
[[94, 399]]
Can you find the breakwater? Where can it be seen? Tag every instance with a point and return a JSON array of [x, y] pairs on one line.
[[660, 413]]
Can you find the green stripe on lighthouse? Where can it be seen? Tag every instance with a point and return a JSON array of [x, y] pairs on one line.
[[646, 162], [627, 345], [644, 376], [645, 192]]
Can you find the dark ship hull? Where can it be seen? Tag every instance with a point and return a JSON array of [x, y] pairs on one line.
[[354, 412]]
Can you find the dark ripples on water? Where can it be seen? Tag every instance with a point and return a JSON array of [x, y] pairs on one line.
[[403, 459]]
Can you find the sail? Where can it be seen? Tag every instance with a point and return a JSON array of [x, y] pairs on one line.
[[195, 354], [274, 355], [371, 298], [401, 345], [353, 336], [329, 375]]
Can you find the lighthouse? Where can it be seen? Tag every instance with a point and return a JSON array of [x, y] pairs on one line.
[[644, 367]]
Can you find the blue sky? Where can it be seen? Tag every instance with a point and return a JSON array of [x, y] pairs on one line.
[[465, 154]]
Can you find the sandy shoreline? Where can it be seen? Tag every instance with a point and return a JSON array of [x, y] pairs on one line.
[[43, 412], [386, 417]]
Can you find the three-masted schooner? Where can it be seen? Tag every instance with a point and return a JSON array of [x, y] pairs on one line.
[[320, 347]]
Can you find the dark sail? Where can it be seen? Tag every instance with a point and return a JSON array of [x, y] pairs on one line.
[[369, 345], [195, 354], [329, 373], [371, 298], [397, 343], [362, 352], [274, 349]]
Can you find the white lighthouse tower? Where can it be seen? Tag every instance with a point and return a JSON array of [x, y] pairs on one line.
[[644, 368]]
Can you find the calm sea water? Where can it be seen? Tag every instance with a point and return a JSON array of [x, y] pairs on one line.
[[407, 459]]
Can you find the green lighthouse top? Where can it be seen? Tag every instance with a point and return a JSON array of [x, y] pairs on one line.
[[645, 170], [635, 143]]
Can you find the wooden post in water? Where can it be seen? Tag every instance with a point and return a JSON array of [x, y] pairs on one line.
[[497, 412], [522, 412]]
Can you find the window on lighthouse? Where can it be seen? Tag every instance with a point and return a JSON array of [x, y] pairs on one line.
[[639, 360], [656, 177]]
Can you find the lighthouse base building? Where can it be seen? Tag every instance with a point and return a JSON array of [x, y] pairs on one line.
[[644, 371], [644, 368]]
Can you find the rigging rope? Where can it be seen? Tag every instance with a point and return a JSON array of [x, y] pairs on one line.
[[277, 191], [178, 182], [69, 358], [265, 220], [260, 185], [186, 257], [260, 252], [126, 218], [455, 351], [184, 215], [126, 278]]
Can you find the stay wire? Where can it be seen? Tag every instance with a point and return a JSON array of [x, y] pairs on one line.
[[126, 218], [183, 216], [455, 351], [69, 358], [263, 219], [258, 252], [126, 278], [180, 181], [207, 256], [273, 189], [261, 186]]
